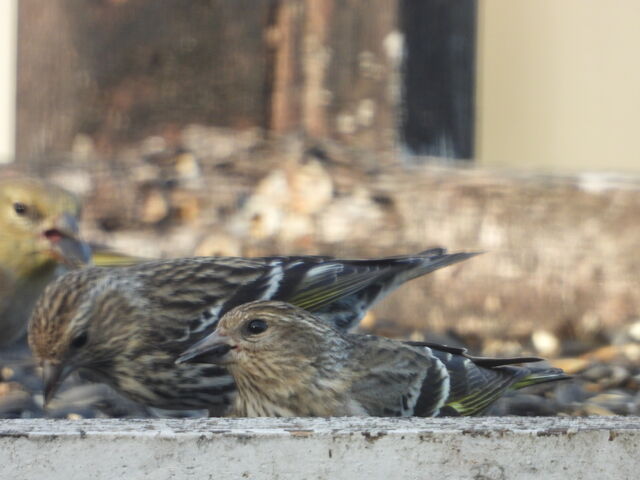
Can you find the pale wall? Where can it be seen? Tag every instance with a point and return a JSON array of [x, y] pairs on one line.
[[559, 84], [8, 26]]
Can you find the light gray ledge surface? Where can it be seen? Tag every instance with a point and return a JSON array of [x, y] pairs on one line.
[[339, 448]]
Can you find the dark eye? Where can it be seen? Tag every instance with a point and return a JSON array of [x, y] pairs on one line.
[[80, 340], [20, 208], [254, 327]]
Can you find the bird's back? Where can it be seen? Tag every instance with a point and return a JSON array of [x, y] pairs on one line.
[[395, 378]]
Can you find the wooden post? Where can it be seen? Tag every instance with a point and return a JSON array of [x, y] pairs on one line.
[[315, 61], [283, 38]]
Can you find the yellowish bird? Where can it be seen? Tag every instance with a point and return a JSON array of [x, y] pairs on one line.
[[38, 234]]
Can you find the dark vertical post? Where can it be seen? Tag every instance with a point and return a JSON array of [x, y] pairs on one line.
[[438, 110]]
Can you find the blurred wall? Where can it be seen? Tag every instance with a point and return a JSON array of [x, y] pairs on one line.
[[118, 71], [558, 84], [372, 74], [125, 69]]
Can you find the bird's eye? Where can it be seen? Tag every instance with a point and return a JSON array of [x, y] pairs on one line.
[[20, 208], [257, 326], [80, 340]]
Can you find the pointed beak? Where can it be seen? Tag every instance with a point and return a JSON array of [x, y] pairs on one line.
[[53, 374], [211, 349], [65, 243]]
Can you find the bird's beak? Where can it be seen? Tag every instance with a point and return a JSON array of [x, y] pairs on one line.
[[53, 374], [65, 243], [211, 349]]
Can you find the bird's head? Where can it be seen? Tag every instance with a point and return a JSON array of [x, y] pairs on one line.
[[39, 222], [263, 333], [85, 320]]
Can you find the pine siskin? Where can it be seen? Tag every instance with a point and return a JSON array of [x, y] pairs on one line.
[[126, 326], [38, 232], [286, 363]]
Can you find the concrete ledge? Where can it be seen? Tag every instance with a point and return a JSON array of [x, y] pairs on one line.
[[343, 448]]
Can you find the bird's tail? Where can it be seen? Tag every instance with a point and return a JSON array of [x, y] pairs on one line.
[[403, 268], [540, 375], [434, 259]]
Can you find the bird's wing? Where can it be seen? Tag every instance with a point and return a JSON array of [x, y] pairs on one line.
[[201, 290], [386, 377], [339, 291], [476, 382], [317, 286], [487, 362]]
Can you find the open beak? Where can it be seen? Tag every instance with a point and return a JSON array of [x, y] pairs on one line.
[[66, 246], [211, 349], [53, 374]]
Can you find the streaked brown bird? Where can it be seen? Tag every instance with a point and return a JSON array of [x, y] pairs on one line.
[[287, 363], [127, 326], [38, 233]]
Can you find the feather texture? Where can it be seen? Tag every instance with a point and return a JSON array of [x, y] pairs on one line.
[[286, 362], [138, 319]]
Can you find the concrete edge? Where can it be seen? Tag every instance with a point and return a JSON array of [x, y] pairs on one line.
[[374, 448]]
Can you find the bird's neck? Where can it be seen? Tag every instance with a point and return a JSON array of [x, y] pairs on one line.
[[28, 268], [294, 387]]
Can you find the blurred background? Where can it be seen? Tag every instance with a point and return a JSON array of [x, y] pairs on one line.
[[361, 128]]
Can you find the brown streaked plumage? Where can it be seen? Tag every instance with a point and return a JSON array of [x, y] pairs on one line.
[[286, 363], [127, 326], [38, 233]]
